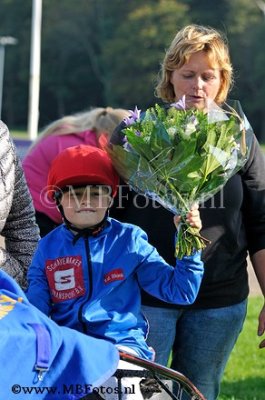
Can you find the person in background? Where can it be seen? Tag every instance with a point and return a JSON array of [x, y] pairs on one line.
[[89, 127], [18, 228], [87, 273], [201, 336]]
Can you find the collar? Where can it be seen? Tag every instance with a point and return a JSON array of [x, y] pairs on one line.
[[87, 232]]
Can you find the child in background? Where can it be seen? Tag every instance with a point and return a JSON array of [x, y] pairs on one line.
[[87, 274]]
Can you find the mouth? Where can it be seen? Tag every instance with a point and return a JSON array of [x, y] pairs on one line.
[[196, 101], [85, 209], [194, 98]]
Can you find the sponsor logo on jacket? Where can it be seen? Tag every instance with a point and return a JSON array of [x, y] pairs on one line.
[[114, 275], [65, 277]]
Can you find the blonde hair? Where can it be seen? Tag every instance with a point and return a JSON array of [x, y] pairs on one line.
[[99, 120], [189, 40]]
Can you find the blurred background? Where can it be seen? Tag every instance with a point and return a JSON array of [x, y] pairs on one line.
[[107, 53]]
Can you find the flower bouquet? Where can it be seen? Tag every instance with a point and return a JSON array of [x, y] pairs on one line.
[[180, 156]]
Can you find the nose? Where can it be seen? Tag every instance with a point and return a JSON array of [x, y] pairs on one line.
[[198, 83]]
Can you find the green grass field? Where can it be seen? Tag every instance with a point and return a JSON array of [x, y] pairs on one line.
[[244, 377], [19, 134]]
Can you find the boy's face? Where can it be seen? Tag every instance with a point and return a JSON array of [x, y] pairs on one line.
[[86, 206]]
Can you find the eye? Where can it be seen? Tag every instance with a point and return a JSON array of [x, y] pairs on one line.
[[76, 193], [72, 194], [208, 77], [188, 76], [94, 193]]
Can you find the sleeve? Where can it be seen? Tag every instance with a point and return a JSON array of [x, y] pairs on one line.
[[21, 232], [38, 292], [62, 356], [179, 284], [117, 135], [253, 180]]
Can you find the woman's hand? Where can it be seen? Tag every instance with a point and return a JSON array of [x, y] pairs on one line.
[[261, 328], [192, 218]]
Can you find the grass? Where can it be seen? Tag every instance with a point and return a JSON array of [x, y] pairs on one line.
[[19, 134], [244, 377]]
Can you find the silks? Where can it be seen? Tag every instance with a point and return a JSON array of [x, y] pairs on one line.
[[41, 360]]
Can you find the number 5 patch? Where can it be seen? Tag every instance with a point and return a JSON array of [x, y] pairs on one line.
[[65, 277]]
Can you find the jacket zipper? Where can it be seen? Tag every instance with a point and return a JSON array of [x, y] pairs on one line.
[[90, 290]]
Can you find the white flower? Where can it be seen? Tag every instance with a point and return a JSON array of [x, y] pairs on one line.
[[172, 131], [191, 126], [237, 146], [221, 156]]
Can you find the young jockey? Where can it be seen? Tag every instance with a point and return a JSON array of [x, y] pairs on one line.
[[88, 273]]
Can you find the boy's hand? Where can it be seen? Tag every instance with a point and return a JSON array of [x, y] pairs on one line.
[[192, 218]]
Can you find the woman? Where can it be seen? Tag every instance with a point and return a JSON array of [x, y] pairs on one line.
[[17, 220], [197, 65], [88, 127]]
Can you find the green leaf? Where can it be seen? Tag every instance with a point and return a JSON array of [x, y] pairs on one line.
[[139, 144], [159, 138], [123, 161]]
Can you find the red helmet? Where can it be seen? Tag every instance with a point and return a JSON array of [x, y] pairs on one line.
[[80, 166]]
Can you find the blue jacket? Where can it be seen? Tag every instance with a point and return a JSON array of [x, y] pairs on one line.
[[93, 285], [41, 360]]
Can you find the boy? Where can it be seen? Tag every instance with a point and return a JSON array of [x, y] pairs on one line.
[[87, 274]]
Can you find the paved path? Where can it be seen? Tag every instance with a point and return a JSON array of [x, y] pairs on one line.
[[253, 283]]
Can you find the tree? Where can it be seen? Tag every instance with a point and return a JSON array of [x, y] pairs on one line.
[[16, 23], [246, 30], [132, 53], [68, 78], [209, 12], [101, 52]]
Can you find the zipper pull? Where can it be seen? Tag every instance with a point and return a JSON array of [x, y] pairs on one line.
[[40, 372]]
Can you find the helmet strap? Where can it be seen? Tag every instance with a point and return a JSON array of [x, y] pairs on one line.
[[82, 232]]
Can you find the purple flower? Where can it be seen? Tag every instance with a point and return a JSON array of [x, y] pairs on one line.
[[193, 120], [133, 117], [180, 105], [126, 145]]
